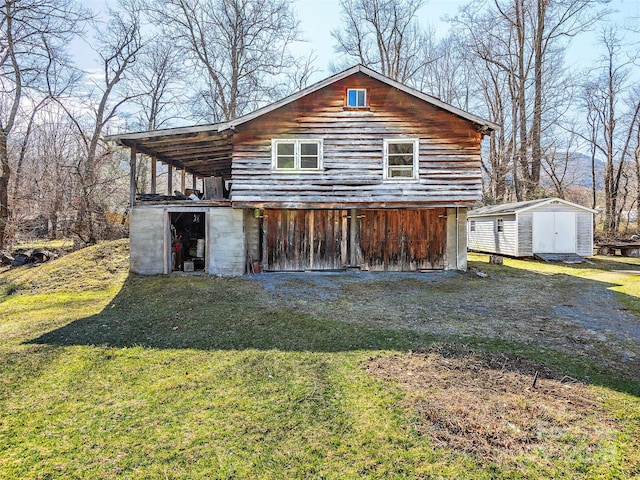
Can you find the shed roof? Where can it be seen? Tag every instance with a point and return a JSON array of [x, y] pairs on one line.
[[518, 207], [206, 150]]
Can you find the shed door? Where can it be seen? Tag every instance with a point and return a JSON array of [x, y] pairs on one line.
[[554, 232], [305, 239], [403, 240]]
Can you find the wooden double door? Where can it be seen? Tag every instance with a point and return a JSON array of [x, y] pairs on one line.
[[382, 239]]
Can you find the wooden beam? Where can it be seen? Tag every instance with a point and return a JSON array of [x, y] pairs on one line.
[[183, 180], [195, 182], [170, 180], [132, 178], [154, 166]]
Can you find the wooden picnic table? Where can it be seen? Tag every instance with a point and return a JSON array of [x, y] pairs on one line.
[[624, 249]]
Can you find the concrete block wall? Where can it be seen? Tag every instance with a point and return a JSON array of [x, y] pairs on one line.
[[456, 256], [146, 240], [227, 255]]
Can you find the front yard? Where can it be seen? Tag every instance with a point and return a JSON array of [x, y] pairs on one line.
[[531, 372]]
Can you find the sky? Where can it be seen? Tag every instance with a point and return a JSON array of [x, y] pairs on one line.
[[319, 17]]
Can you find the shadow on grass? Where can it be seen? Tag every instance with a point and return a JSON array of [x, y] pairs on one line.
[[211, 314], [269, 312]]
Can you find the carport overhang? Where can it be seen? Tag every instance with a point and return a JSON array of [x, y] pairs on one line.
[[203, 150]]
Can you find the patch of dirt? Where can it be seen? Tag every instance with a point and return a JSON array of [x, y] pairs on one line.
[[492, 405]]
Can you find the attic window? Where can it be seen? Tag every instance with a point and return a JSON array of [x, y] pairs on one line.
[[356, 97]]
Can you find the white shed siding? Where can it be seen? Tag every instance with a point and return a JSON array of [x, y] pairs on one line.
[[584, 232], [525, 234], [486, 237]]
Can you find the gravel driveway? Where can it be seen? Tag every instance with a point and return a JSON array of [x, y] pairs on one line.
[[568, 313]]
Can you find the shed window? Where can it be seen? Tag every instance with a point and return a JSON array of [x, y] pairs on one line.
[[500, 225], [401, 159], [296, 155], [472, 226], [357, 97]]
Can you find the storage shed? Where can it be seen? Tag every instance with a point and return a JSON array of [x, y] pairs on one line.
[[524, 229]]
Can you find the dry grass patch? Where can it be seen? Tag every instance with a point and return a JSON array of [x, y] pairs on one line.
[[496, 406]]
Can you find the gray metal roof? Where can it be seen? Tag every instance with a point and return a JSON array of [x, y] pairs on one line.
[[517, 207]]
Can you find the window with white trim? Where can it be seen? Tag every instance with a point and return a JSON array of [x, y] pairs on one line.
[[356, 97], [296, 155], [473, 226], [500, 225], [401, 159]]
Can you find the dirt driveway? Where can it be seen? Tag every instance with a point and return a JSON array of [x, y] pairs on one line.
[[575, 315]]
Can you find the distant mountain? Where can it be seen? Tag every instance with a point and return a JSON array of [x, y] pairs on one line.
[[578, 172]]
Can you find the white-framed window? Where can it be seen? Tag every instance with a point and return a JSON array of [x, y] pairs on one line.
[[500, 225], [472, 226], [296, 155], [356, 97], [401, 159]]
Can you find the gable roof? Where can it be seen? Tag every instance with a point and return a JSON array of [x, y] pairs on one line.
[[519, 207], [206, 150], [485, 125]]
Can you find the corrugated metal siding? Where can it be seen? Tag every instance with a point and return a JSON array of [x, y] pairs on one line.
[[449, 153], [486, 238]]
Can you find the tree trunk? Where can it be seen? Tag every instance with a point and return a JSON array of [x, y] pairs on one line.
[[536, 126], [5, 175]]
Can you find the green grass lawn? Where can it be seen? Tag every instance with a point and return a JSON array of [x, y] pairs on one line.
[[109, 375]]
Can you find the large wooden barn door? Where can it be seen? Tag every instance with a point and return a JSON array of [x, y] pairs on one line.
[[403, 240], [305, 239]]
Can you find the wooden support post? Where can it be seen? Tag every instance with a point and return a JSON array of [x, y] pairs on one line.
[[132, 179], [170, 179], [353, 231], [154, 166], [183, 180], [195, 182]]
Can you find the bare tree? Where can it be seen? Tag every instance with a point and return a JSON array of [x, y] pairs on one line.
[[30, 33], [611, 132], [118, 42], [158, 78], [383, 35], [523, 41], [239, 46]]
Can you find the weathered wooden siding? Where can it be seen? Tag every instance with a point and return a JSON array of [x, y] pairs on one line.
[[252, 235], [403, 240], [389, 239], [486, 237], [449, 152], [305, 239]]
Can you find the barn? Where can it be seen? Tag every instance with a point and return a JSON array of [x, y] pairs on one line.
[[525, 229], [355, 171]]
